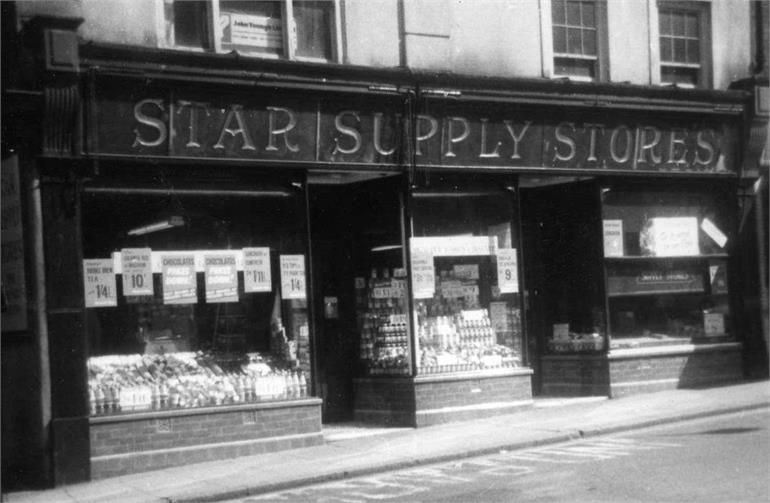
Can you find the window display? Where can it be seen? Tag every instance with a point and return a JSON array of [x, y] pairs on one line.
[[195, 293], [666, 261], [465, 287]]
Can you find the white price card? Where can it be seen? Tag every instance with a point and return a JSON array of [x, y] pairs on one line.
[[293, 277], [99, 283], [256, 270], [507, 270], [423, 275], [613, 238], [714, 232], [179, 283], [713, 324], [136, 265], [221, 278], [675, 236]]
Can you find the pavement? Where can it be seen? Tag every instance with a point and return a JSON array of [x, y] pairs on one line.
[[353, 450]]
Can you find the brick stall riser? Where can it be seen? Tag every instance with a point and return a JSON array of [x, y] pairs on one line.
[[575, 375], [698, 365], [432, 399], [139, 442]]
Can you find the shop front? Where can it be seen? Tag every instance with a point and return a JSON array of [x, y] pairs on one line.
[[244, 255]]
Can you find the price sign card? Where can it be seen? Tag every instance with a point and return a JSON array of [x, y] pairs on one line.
[[256, 270], [179, 284], [507, 270], [613, 238], [675, 236], [221, 278], [137, 271], [99, 283], [713, 324], [423, 275], [293, 277]]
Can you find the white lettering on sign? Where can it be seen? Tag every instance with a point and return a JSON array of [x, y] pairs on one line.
[[507, 270], [221, 278], [179, 283], [674, 236], [99, 283], [293, 285]]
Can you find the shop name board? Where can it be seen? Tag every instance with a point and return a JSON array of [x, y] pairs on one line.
[[294, 130]]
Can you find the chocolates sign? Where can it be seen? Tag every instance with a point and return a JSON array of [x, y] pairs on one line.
[[285, 128]]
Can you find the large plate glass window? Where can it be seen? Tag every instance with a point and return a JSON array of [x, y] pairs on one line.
[[465, 275], [195, 293], [666, 255]]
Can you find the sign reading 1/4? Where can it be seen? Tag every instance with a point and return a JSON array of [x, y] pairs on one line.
[[99, 283], [137, 271], [293, 276]]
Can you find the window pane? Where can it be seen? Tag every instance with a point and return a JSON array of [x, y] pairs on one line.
[[677, 23], [559, 39], [665, 23], [254, 27], [573, 13], [679, 75], [189, 20], [558, 9], [679, 50], [314, 28], [589, 42], [693, 51], [575, 67], [666, 49], [574, 44], [692, 25], [589, 16]]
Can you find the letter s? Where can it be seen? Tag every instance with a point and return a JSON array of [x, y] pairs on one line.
[[149, 121]]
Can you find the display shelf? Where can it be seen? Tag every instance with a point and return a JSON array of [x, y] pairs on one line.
[[655, 292], [635, 258]]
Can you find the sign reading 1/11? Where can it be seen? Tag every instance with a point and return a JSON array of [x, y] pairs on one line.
[[99, 283], [256, 270], [293, 276]]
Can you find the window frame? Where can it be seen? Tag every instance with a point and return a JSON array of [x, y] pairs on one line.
[[702, 11], [601, 60], [212, 39]]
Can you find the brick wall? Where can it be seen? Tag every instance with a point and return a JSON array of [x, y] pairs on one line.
[[575, 375], [691, 366], [426, 400], [155, 440]]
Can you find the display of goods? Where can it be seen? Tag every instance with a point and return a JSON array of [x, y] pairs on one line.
[[130, 383], [457, 359]]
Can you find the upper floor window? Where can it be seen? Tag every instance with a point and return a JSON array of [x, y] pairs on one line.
[[578, 39], [684, 42], [294, 29]]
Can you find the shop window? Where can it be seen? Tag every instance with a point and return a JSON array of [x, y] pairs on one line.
[[684, 43], [195, 295], [666, 256], [579, 39], [294, 29], [465, 277]]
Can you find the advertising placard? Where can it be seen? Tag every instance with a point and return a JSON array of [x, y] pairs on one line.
[[251, 32], [293, 277], [674, 236], [179, 283], [613, 238], [455, 246], [137, 271], [221, 278], [256, 270], [423, 275], [713, 324], [507, 270], [713, 232], [99, 283]]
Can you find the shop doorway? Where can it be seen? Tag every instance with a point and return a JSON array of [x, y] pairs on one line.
[[562, 262], [355, 232]]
